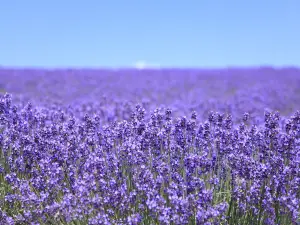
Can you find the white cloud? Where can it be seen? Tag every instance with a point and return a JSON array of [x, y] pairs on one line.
[[140, 65], [143, 65]]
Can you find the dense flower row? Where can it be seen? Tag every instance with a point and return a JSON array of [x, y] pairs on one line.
[[107, 92], [59, 169]]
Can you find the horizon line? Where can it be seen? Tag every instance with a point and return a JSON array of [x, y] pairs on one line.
[[148, 68]]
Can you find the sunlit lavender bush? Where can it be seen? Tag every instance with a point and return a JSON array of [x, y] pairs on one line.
[[158, 149]]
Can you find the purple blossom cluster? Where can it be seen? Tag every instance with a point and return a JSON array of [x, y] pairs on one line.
[[62, 167]]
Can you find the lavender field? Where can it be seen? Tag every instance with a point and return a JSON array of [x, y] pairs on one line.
[[149, 146]]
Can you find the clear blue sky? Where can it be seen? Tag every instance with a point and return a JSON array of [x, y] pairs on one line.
[[171, 33]]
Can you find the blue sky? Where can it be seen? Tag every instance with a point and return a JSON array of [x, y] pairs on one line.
[[111, 33]]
